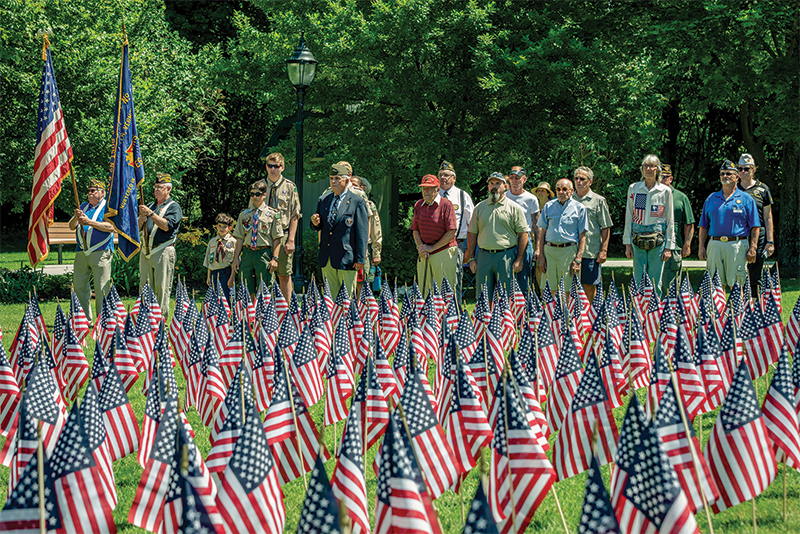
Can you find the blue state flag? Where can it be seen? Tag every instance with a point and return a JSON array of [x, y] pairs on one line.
[[127, 169]]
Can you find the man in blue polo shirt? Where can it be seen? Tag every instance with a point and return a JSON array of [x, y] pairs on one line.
[[562, 235], [730, 218]]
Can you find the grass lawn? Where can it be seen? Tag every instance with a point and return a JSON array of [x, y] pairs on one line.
[[570, 492], [17, 260]]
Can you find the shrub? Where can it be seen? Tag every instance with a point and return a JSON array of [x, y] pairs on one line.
[[190, 249], [15, 286]]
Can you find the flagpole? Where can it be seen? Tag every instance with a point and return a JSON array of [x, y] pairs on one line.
[[510, 474], [695, 462], [294, 416], [366, 410], [40, 462], [784, 491]]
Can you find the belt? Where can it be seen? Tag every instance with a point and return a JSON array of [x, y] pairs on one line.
[[258, 248], [497, 250], [559, 245], [725, 238], [459, 241]]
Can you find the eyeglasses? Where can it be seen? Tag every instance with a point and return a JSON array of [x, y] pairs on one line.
[[160, 187], [744, 169], [649, 166], [563, 189], [256, 194], [581, 179], [273, 166], [93, 190], [727, 174]]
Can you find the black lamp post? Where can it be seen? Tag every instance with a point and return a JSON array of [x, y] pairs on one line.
[[301, 67]]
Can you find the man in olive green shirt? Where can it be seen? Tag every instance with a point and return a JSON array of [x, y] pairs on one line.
[[499, 229], [599, 224], [683, 228]]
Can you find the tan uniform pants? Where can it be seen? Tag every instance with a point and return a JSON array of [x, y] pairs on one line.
[[336, 277], [158, 270], [97, 264], [441, 265]]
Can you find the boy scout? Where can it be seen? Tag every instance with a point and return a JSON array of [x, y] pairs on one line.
[[258, 236], [219, 255], [281, 196]]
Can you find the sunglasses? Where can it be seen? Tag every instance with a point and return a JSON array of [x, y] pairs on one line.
[[727, 174], [273, 166], [744, 169], [256, 194]]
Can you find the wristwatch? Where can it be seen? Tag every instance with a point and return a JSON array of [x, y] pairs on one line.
[[275, 258]]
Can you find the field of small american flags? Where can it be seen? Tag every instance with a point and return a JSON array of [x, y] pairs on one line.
[[450, 506]]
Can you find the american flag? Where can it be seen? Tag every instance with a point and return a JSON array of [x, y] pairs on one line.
[[231, 355], [196, 517], [445, 375], [59, 327], [123, 356], [651, 318], [526, 352], [485, 373], [716, 379], [597, 515], [692, 390], [652, 499], [94, 428], [589, 410], [494, 337], [191, 367], [262, 363], [51, 163], [568, 372], [211, 391], [339, 386], [668, 329], [22, 351], [521, 474], [525, 391], [610, 368], [731, 346], [761, 343], [270, 325], [465, 336], [629, 435], [433, 451], [77, 480], [738, 451], [228, 422], [364, 349], [385, 373], [780, 413], [659, 378], [468, 430], [323, 334], [639, 207], [45, 403], [548, 352], [288, 336], [348, 481], [371, 403], [21, 446], [793, 329], [153, 408], [21, 513], [295, 313], [419, 300], [305, 369], [80, 323], [122, 429], [430, 327], [482, 312], [105, 325], [9, 393], [402, 360], [355, 330], [341, 304], [680, 449], [390, 322], [479, 518], [402, 500], [417, 348], [320, 507], [250, 497], [689, 301], [638, 351], [146, 338], [74, 368], [718, 294], [657, 211], [579, 304]]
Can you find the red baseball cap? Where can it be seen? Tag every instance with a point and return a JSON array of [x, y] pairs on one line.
[[429, 180]]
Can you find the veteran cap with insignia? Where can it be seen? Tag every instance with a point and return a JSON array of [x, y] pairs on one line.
[[447, 166], [727, 165], [666, 168], [346, 164], [429, 180], [746, 159], [163, 178], [497, 176], [339, 169], [97, 184]]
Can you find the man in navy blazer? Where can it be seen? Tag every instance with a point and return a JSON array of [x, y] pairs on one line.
[[342, 218]]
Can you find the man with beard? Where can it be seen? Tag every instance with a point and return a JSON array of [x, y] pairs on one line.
[[730, 218], [561, 235], [499, 230]]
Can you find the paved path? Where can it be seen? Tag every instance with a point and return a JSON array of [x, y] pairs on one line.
[[57, 269], [629, 263]]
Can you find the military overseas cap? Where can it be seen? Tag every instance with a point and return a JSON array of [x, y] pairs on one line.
[[519, 172], [727, 165], [746, 159], [346, 164], [447, 166], [339, 169], [97, 184], [666, 168], [163, 178], [429, 180], [497, 176]]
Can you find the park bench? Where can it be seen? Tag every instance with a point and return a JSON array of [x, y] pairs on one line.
[[60, 234]]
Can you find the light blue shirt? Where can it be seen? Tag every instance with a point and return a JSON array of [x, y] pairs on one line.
[[564, 223]]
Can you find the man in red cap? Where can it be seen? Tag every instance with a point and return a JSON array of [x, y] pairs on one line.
[[434, 226]]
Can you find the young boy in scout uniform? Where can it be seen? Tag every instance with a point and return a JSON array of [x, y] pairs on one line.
[[219, 255], [281, 196], [258, 236]]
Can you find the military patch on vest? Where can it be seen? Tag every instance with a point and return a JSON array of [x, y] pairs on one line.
[[348, 221], [455, 207]]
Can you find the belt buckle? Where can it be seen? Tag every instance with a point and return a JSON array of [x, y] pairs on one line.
[[724, 239]]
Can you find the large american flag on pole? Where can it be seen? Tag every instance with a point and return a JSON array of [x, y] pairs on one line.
[[51, 161], [739, 450]]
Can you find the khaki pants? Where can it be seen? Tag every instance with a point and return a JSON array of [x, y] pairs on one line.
[[158, 270], [730, 259], [440, 265], [98, 264], [336, 277], [285, 260], [559, 261]]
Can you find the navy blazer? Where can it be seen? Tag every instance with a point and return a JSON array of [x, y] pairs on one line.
[[345, 242]]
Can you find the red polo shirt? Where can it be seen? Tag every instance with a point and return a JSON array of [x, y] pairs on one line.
[[433, 221]]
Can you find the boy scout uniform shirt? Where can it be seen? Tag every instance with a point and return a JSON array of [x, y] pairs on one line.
[[229, 245], [597, 218], [282, 196], [269, 226], [499, 224]]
